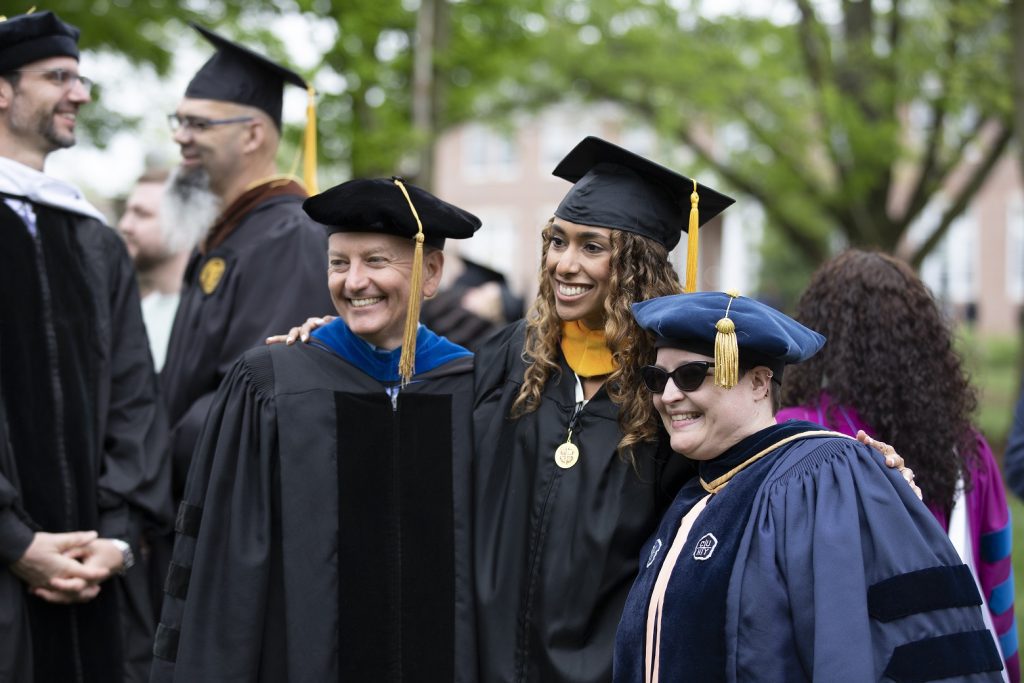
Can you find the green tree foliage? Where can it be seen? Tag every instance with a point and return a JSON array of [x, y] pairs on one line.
[[475, 50], [847, 116], [852, 124], [141, 32]]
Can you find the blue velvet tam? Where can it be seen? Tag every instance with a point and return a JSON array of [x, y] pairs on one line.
[[700, 322], [378, 205], [615, 188], [28, 38]]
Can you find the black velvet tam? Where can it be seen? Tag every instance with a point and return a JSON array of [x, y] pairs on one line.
[[28, 38], [615, 188], [237, 74], [378, 205]]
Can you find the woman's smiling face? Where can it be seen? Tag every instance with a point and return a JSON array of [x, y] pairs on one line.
[[579, 266], [703, 423]]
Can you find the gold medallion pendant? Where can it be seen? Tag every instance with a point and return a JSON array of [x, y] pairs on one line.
[[567, 455]]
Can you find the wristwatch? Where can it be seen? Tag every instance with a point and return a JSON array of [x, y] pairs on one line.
[[127, 558]]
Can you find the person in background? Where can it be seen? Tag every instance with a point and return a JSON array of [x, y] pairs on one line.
[[159, 254], [325, 530], [794, 554], [81, 432], [1013, 458], [260, 265], [473, 303], [890, 368]]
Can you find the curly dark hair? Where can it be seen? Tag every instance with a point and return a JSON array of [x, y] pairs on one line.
[[640, 270], [890, 357]]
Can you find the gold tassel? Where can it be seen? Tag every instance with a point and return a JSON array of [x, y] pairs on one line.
[[727, 352], [407, 361], [691, 243], [309, 143]]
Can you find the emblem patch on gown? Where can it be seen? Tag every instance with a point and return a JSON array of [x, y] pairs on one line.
[[705, 547], [210, 275], [655, 549]]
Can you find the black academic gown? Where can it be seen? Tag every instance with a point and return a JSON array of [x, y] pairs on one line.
[[324, 532], [555, 549], [269, 272], [814, 563], [15, 537], [85, 434]]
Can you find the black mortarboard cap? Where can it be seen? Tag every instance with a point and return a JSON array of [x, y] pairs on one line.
[[615, 188], [27, 38], [237, 74], [378, 205]]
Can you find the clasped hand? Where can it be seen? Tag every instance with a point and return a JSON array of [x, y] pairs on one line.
[[68, 567]]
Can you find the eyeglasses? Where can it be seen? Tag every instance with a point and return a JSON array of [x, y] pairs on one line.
[[686, 377], [199, 124], [61, 77]]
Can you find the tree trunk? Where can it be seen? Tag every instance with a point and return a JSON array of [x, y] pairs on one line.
[[1016, 32], [423, 91]]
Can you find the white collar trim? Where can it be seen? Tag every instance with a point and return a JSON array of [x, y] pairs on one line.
[[22, 181]]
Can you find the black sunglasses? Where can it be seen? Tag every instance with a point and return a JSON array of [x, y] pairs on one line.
[[686, 377]]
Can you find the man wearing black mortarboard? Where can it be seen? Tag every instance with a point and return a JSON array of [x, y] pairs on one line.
[[81, 434], [260, 264], [324, 531]]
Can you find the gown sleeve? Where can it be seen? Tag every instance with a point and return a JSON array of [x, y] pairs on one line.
[[226, 551], [844, 551], [134, 483], [491, 366], [15, 533], [992, 530], [1013, 459]]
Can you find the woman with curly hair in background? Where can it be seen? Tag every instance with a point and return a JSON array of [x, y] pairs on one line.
[[890, 368], [563, 502]]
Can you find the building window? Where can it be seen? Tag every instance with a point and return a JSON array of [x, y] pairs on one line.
[[950, 270], [489, 154], [1015, 248], [497, 244]]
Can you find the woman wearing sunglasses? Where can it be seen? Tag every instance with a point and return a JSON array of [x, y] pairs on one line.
[[794, 554], [910, 387]]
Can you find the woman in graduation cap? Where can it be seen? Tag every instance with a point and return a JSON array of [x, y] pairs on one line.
[[794, 555], [562, 502]]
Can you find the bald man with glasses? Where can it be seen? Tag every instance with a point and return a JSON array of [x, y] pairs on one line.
[[260, 262], [81, 434]]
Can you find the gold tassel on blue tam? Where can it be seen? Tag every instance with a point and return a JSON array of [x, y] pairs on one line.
[[727, 352], [695, 322]]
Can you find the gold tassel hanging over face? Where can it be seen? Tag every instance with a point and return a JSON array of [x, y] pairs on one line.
[[691, 243], [407, 361], [727, 352]]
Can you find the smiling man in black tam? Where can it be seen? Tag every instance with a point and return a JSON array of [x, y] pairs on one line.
[[260, 264], [81, 433], [324, 533]]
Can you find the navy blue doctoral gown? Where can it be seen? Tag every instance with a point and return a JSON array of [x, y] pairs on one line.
[[813, 563]]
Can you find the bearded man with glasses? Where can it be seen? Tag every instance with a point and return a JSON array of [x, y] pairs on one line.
[[81, 434], [260, 260]]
